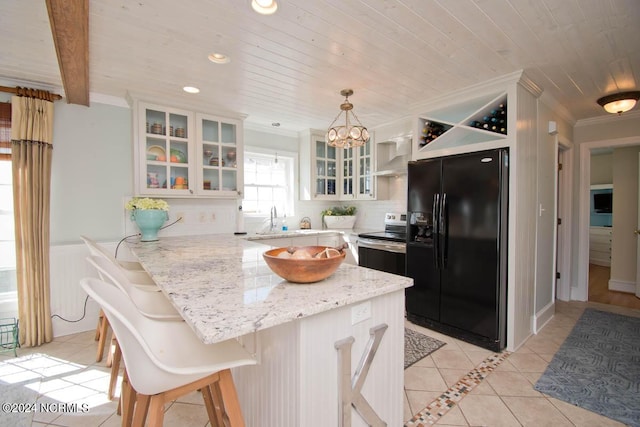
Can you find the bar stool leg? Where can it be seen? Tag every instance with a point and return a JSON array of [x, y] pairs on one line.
[[115, 369], [101, 334]]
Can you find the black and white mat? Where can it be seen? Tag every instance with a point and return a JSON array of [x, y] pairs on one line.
[[418, 346]]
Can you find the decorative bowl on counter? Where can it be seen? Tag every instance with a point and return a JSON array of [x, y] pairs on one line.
[[304, 264]]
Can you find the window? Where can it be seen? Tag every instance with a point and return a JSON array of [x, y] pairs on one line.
[[8, 295], [268, 182]]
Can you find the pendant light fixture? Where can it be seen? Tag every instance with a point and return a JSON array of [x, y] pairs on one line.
[[351, 133], [264, 7], [619, 103]]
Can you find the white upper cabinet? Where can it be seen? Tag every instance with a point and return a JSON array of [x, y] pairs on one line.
[[164, 152], [179, 153], [330, 173], [220, 153]]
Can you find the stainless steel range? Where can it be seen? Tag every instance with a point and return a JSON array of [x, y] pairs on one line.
[[385, 250]]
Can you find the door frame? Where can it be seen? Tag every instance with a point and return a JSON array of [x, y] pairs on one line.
[[581, 291], [564, 188]]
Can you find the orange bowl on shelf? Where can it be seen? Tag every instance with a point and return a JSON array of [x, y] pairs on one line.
[[301, 268]]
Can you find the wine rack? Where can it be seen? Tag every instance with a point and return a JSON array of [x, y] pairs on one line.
[[492, 119], [458, 126], [432, 130]]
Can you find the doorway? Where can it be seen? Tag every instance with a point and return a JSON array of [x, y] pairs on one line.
[[590, 274]]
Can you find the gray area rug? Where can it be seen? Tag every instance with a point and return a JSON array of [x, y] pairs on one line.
[[418, 346], [598, 367]]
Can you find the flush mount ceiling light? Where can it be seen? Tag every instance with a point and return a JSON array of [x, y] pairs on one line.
[[219, 58], [264, 7], [191, 89], [619, 103], [351, 133]]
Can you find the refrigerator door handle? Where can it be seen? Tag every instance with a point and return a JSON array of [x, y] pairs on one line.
[[444, 232], [435, 231]]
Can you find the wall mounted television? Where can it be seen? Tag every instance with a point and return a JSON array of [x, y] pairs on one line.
[[602, 202]]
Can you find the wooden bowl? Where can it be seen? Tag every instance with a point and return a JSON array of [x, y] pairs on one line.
[[307, 270]]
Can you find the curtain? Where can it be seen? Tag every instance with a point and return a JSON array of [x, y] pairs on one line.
[[31, 151]]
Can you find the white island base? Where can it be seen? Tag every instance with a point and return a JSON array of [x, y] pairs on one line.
[[296, 382]]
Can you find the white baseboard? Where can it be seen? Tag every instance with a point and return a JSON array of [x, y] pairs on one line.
[[542, 317], [622, 286], [578, 294]]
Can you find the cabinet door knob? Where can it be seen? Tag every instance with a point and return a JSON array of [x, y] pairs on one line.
[[636, 231]]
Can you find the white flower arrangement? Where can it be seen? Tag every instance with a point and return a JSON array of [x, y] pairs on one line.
[[146, 203]]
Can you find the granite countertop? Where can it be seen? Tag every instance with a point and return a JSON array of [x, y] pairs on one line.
[[224, 289]]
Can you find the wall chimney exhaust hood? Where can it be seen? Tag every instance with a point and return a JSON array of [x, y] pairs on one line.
[[393, 155]]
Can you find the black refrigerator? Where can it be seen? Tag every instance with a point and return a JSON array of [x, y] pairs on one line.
[[457, 211]]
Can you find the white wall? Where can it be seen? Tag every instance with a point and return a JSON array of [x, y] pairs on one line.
[[92, 170], [601, 168], [547, 160]]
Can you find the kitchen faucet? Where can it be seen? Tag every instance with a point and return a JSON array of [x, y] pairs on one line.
[[274, 215]]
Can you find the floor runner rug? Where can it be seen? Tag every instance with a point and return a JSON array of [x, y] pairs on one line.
[[418, 346], [598, 367]]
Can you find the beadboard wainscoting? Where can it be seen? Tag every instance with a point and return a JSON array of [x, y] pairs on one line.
[[68, 266], [287, 363]]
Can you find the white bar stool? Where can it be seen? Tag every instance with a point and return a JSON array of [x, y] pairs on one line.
[[165, 360]]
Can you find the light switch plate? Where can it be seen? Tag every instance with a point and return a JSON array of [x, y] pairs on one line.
[[360, 312]]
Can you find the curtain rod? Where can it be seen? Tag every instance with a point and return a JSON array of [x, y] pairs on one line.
[[15, 91]]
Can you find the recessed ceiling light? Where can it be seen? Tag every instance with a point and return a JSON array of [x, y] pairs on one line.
[[264, 7], [219, 58], [191, 89]]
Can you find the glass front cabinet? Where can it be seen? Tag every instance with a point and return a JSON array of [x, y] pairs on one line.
[[185, 154], [220, 156], [335, 173]]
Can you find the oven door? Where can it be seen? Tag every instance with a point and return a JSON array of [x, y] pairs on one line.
[[382, 255]]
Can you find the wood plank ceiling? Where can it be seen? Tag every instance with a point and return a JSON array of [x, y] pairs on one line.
[[290, 67]]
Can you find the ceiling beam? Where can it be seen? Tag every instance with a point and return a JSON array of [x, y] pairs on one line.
[[69, 21]]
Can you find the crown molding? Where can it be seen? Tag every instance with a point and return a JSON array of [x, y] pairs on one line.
[[609, 118], [495, 85], [101, 98], [526, 82], [557, 108]]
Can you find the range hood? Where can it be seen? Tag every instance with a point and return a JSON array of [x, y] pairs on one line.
[[398, 153]]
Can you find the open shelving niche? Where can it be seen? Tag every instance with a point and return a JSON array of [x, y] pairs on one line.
[[460, 123]]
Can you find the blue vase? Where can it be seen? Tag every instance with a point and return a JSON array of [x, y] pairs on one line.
[[149, 222]]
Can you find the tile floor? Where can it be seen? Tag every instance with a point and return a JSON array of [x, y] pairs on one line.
[[65, 370]]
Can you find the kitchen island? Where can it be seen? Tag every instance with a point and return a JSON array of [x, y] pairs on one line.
[[223, 289]]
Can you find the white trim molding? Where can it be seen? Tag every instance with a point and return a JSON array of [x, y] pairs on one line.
[[622, 286], [543, 317], [581, 291]]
